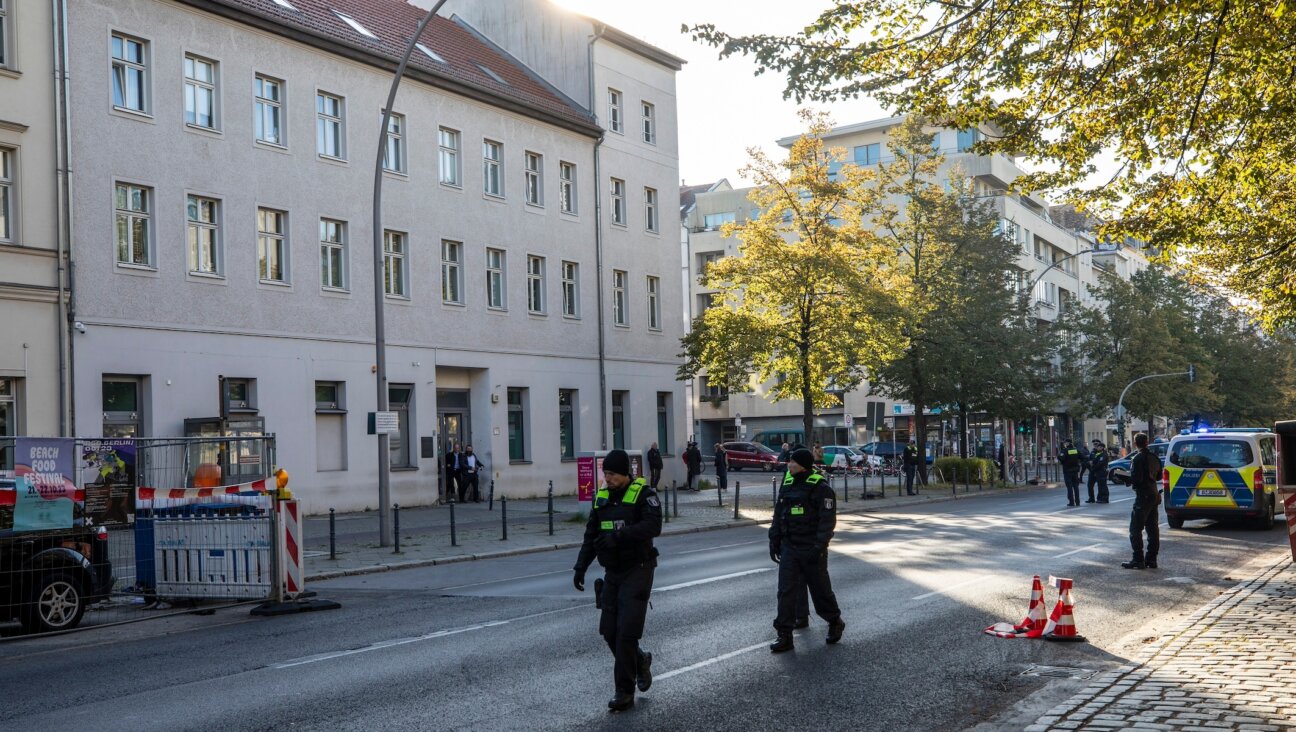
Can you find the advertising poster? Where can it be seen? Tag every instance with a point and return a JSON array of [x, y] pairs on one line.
[[47, 493], [589, 472], [108, 478]]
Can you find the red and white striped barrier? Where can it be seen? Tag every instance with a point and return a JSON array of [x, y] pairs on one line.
[[264, 485], [291, 554]]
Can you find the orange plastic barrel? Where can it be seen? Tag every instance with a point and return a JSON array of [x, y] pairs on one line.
[[208, 475]]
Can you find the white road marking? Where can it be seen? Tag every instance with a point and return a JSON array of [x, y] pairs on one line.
[[954, 586], [722, 546], [1122, 500], [695, 583], [1077, 551], [710, 661], [506, 579]]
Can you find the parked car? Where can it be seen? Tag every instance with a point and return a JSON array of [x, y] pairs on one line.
[[853, 459], [888, 451], [1221, 473], [1118, 470], [49, 577], [752, 455]]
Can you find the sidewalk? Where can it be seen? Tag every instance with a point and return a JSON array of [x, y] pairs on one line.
[[425, 531], [1228, 666]]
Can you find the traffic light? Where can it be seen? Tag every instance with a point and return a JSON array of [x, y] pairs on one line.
[[1021, 428]]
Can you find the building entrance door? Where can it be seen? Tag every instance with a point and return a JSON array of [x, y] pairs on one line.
[[453, 428]]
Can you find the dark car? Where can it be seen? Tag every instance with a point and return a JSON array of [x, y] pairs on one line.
[[752, 455], [889, 451], [1118, 470], [49, 577]]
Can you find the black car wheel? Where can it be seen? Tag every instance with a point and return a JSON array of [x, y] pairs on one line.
[[56, 603], [1174, 522], [1266, 520]]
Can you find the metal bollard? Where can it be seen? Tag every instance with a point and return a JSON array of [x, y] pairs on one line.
[[551, 508], [675, 490], [719, 495], [396, 527], [453, 538], [846, 486], [332, 534], [773, 491], [864, 484], [737, 490], [490, 499], [504, 518]]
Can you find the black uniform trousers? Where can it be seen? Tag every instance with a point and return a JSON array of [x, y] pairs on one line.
[[625, 607], [1099, 477], [1145, 517], [1072, 480], [910, 471], [800, 569]]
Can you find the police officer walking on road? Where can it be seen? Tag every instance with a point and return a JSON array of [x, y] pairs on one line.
[[803, 525], [625, 518], [1069, 457], [1098, 471], [1145, 472], [910, 460]]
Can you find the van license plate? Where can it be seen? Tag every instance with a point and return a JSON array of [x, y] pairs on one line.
[[1212, 492]]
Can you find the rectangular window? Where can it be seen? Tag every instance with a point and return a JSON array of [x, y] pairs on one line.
[[130, 74], [705, 260], [7, 207], [330, 426], [400, 398], [395, 275], [571, 289], [448, 152], [716, 220], [649, 124], [654, 303], [567, 187], [240, 395], [492, 161], [618, 202], [5, 52], [534, 179], [330, 131], [123, 409], [968, 138], [268, 119], [620, 313], [202, 232], [8, 421], [567, 424], [272, 245], [619, 409], [664, 419], [200, 92], [535, 285], [496, 290], [650, 209], [333, 255], [517, 424], [134, 206], [868, 154], [451, 272], [394, 152], [615, 121]]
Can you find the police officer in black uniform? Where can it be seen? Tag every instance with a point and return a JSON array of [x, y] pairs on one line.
[[1098, 471], [1145, 469], [623, 521], [1069, 457], [803, 525], [910, 461]]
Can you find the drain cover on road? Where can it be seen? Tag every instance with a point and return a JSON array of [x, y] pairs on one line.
[[1058, 672]]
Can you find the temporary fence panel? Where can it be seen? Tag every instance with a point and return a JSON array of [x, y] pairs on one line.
[[215, 558]]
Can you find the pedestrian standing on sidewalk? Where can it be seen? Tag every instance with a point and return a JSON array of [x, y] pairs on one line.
[[1069, 457], [693, 459], [722, 466], [472, 468], [452, 467], [803, 525], [910, 459], [654, 466], [623, 521], [1098, 471], [1145, 477]]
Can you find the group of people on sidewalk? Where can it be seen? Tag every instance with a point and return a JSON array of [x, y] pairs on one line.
[[462, 467]]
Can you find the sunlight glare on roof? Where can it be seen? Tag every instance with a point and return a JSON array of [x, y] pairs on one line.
[[491, 74], [430, 53], [352, 22], [285, 4]]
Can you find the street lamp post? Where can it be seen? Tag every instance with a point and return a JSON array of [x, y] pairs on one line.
[[380, 336], [1191, 373]]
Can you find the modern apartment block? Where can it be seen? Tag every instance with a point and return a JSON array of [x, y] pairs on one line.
[[1046, 235], [223, 159]]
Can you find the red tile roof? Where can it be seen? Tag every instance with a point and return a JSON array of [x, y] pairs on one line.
[[394, 22]]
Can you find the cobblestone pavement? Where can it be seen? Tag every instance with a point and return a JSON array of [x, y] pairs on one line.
[[1228, 666]]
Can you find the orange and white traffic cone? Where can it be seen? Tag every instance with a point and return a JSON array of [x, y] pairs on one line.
[[1033, 625], [1061, 623]]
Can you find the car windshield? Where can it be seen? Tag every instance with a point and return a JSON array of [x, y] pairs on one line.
[[1211, 454], [757, 447]]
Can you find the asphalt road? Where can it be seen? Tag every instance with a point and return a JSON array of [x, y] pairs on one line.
[[508, 644]]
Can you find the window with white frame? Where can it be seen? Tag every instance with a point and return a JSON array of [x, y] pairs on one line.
[[534, 178], [272, 245], [395, 272], [570, 290], [134, 206], [492, 161], [200, 96], [615, 121], [620, 311], [394, 152], [496, 290], [567, 187], [535, 285], [452, 272], [6, 52], [202, 232], [654, 303], [567, 423], [130, 74], [517, 419], [649, 123], [7, 185], [330, 130], [8, 421], [650, 209], [268, 121], [448, 155], [618, 202], [713, 221], [333, 271]]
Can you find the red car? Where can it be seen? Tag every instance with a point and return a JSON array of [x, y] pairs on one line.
[[752, 455]]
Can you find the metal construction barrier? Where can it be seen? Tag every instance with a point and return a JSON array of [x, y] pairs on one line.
[[214, 558]]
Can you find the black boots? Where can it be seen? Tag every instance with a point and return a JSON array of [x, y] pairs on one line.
[[1134, 564], [645, 671], [622, 701], [784, 642], [835, 629]]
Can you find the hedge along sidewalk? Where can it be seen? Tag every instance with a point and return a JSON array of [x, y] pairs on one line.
[[425, 531]]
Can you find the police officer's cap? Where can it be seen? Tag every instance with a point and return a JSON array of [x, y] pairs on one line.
[[617, 462], [803, 457]]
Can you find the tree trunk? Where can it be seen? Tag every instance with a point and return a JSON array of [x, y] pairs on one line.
[[920, 437], [963, 430]]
